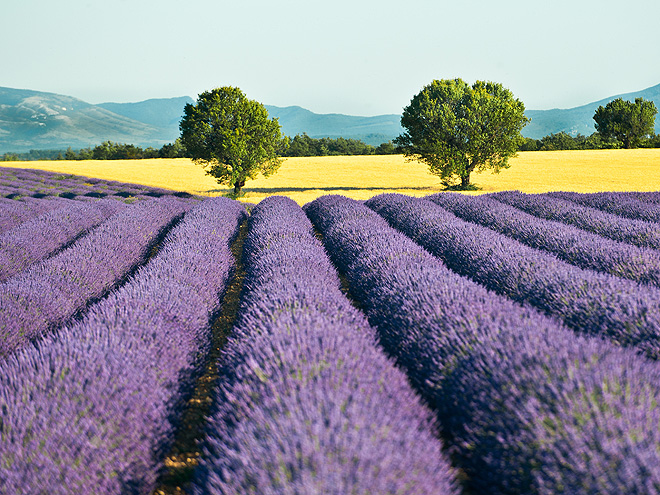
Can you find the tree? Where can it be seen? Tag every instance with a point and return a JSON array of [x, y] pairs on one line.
[[102, 151], [653, 141], [301, 145], [70, 154], [232, 136], [626, 121], [455, 128], [172, 150], [559, 141], [386, 149]]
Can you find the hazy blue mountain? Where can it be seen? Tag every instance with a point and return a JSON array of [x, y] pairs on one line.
[[159, 112], [372, 130], [580, 119], [39, 120]]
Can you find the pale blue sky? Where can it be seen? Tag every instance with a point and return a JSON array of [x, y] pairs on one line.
[[358, 57]]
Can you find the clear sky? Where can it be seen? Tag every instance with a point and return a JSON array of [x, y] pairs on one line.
[[357, 57]]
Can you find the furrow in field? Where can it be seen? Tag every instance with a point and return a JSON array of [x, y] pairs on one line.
[[184, 455]]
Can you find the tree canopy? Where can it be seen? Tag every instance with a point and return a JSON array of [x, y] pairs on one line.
[[232, 136], [626, 121], [456, 129]]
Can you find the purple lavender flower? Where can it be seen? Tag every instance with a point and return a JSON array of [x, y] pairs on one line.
[[614, 203], [569, 243], [40, 237], [636, 232], [92, 407], [13, 212], [48, 293], [590, 302]]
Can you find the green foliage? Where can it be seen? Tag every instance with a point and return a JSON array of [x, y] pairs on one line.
[[300, 145], [114, 151], [173, 150], [69, 154], [85, 154], [232, 136], [387, 149], [33, 155], [626, 121], [455, 128], [564, 141], [303, 145], [652, 142], [104, 151], [529, 144], [559, 141]]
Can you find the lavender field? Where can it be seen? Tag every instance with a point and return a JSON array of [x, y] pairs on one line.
[[154, 343]]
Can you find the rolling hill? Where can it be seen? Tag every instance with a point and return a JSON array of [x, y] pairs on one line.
[[372, 130], [38, 120], [162, 113]]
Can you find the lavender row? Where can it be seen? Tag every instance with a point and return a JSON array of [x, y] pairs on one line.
[[614, 203], [526, 405], [635, 232], [37, 239], [52, 291], [13, 212], [590, 302], [648, 196], [93, 407], [82, 192], [307, 403], [569, 243]]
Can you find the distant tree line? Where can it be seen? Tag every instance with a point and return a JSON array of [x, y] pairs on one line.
[[300, 145], [104, 151], [33, 155], [303, 145], [564, 141]]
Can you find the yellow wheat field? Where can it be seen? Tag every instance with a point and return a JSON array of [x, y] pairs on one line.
[[361, 177]]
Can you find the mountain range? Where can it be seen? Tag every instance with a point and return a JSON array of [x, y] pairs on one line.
[[39, 120]]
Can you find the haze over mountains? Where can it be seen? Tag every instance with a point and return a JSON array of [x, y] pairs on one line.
[[39, 120]]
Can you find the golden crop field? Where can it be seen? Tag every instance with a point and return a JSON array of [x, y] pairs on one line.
[[361, 177]]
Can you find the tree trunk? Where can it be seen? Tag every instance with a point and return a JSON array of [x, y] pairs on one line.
[[237, 187], [465, 180]]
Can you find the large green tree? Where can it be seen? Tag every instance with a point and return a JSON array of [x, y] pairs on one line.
[[456, 128], [626, 121], [231, 136]]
